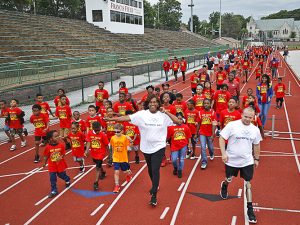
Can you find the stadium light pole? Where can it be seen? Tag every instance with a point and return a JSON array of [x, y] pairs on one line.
[[220, 27], [191, 24]]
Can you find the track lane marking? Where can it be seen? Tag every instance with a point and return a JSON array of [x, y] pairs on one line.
[[181, 186], [233, 220], [96, 210], [40, 201], [164, 213]]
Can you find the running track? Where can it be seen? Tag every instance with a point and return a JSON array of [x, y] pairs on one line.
[[276, 190]]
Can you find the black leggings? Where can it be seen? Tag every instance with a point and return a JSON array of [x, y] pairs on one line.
[[153, 162]]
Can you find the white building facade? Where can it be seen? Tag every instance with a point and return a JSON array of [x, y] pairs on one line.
[[275, 29], [117, 16]]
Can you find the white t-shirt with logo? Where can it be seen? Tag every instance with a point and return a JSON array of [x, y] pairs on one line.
[[153, 129], [240, 139]]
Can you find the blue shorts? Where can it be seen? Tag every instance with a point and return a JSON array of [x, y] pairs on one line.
[[6, 128], [124, 166]]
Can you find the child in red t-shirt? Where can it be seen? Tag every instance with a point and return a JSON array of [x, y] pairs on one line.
[[229, 114], [194, 81], [199, 97], [179, 104], [206, 127], [77, 139], [45, 106], [81, 122], [180, 136], [54, 154], [41, 124], [97, 144], [60, 92], [123, 88], [93, 117], [64, 114], [191, 117], [4, 114], [279, 93], [15, 120]]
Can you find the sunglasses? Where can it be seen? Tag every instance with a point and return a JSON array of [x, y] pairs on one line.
[[117, 131]]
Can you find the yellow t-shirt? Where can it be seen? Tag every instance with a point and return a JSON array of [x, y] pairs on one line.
[[119, 147]]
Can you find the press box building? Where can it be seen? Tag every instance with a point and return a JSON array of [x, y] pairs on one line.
[[117, 16]]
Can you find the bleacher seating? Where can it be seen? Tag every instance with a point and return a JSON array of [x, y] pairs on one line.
[[32, 37]]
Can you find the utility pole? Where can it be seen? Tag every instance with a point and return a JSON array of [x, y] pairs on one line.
[[220, 27], [191, 24]]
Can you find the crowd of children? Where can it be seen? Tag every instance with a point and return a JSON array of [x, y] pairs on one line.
[[206, 112]]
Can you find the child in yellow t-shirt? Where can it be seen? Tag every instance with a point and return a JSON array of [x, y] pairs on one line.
[[119, 143]]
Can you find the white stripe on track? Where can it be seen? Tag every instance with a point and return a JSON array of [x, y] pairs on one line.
[[181, 186], [96, 210], [240, 192], [16, 156], [233, 220], [42, 200], [164, 213]]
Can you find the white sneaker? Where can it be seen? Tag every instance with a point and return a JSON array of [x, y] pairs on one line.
[[193, 157], [13, 147], [212, 157], [23, 144]]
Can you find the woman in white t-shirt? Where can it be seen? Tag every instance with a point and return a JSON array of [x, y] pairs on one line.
[[241, 154], [152, 122]]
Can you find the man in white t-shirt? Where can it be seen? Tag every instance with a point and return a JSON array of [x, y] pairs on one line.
[[243, 138]]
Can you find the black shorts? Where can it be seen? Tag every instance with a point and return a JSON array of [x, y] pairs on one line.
[[279, 100], [194, 136], [245, 172], [38, 138], [98, 162], [175, 72], [14, 131]]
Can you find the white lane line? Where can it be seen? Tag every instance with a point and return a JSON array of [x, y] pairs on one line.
[[54, 199], [15, 184], [119, 196], [7, 160], [245, 205], [175, 214], [240, 193], [284, 153], [78, 175], [277, 209], [163, 215], [293, 73], [181, 186], [291, 136], [233, 220], [31, 171], [40, 201], [125, 182], [97, 209]]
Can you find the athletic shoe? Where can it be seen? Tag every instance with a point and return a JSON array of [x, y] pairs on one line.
[[179, 175], [188, 154], [175, 171], [13, 147], [211, 157], [23, 144], [128, 178], [25, 131], [81, 169], [96, 186], [137, 159], [223, 191], [153, 201], [116, 189], [52, 194], [102, 175], [203, 166], [193, 157], [251, 215], [36, 158], [68, 184]]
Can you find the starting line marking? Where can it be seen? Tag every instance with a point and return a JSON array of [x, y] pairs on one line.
[[162, 216], [97, 209], [233, 220], [181, 186], [40, 201], [16, 156], [277, 209], [240, 193]]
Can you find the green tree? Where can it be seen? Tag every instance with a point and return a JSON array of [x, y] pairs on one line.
[[293, 34], [283, 14], [149, 15], [169, 14], [15, 5], [196, 24], [232, 25]]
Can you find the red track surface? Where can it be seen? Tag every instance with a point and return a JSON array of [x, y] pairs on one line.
[[275, 185]]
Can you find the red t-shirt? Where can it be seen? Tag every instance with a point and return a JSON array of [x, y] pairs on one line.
[[57, 101], [77, 144], [15, 121], [102, 111], [221, 99], [209, 93], [45, 108], [54, 153], [166, 65], [221, 76], [100, 95], [245, 100], [82, 125], [256, 121], [192, 117], [121, 108], [175, 66], [90, 120], [183, 65], [245, 64], [279, 90], [233, 87], [130, 130], [39, 122], [179, 135], [123, 90], [180, 107], [98, 144], [110, 128], [203, 77], [64, 115], [226, 117], [171, 109], [4, 113], [194, 80], [263, 92], [206, 119], [199, 101]]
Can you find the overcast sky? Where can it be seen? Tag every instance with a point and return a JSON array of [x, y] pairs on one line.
[[255, 8]]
